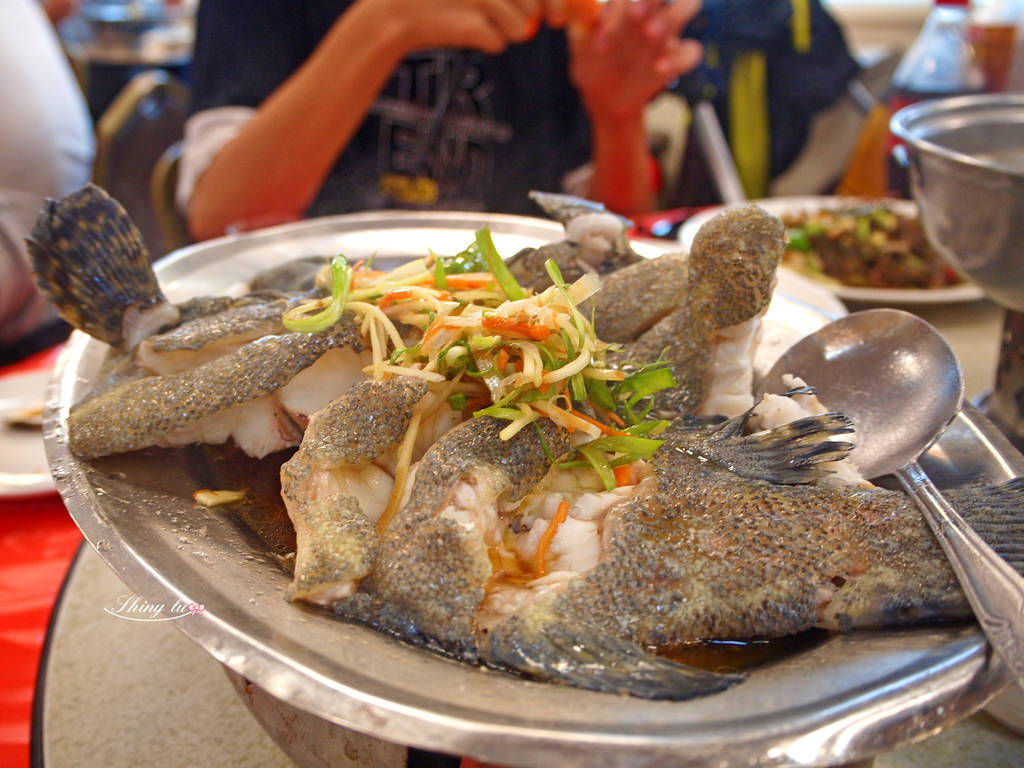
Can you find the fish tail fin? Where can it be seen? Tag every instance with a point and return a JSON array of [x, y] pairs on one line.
[[585, 658], [91, 261], [788, 454], [996, 513]]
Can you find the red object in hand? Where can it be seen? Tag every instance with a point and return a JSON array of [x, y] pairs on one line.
[[584, 13]]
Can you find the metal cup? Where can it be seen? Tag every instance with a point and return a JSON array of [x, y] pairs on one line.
[[966, 163]]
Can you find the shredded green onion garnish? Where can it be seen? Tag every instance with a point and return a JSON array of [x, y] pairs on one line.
[[498, 268], [469, 260], [639, 386], [440, 276], [298, 319], [599, 461], [464, 325]]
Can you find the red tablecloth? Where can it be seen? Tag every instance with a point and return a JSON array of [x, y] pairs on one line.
[[37, 542]]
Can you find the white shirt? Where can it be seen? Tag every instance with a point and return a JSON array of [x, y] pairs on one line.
[[46, 148]]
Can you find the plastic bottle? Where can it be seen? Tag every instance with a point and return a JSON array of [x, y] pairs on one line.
[[940, 62], [993, 33], [1015, 80]]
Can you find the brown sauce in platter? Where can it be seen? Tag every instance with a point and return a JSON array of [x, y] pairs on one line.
[[741, 655]]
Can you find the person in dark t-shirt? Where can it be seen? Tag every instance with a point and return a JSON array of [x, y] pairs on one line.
[[329, 106]]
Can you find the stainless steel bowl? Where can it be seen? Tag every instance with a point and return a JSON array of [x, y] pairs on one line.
[[966, 157]]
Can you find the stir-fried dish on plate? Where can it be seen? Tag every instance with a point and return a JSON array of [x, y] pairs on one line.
[[552, 465], [865, 245]]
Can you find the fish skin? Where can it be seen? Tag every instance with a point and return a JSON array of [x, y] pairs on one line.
[[684, 340], [634, 298], [432, 569], [138, 413], [362, 424], [698, 552], [295, 276], [200, 306], [91, 262], [705, 553], [540, 644], [244, 320], [527, 265], [732, 265], [206, 337], [336, 546], [731, 278]]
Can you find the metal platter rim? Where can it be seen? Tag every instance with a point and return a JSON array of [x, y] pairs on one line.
[[954, 689]]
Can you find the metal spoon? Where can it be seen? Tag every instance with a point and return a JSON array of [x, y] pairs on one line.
[[896, 377]]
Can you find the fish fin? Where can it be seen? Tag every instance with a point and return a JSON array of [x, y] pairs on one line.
[[995, 514], [91, 261], [585, 658], [787, 455], [563, 208]]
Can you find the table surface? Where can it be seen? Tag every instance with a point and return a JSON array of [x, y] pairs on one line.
[[161, 700]]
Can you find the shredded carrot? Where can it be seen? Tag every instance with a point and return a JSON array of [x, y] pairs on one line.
[[623, 475], [506, 326], [614, 418], [502, 361], [434, 330], [469, 280], [541, 566], [603, 427], [358, 264], [395, 294]]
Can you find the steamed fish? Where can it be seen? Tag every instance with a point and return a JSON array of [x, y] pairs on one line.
[[208, 370], [335, 492], [196, 405], [595, 242], [723, 536], [478, 470]]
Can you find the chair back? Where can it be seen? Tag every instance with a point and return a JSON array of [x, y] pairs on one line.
[[147, 116], [162, 187]]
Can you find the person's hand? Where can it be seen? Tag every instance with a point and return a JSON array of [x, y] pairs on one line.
[[484, 25], [631, 54], [58, 10]]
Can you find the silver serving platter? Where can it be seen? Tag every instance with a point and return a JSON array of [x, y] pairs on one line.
[[841, 699]]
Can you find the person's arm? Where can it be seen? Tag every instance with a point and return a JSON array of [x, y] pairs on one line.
[[275, 166], [618, 67]]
